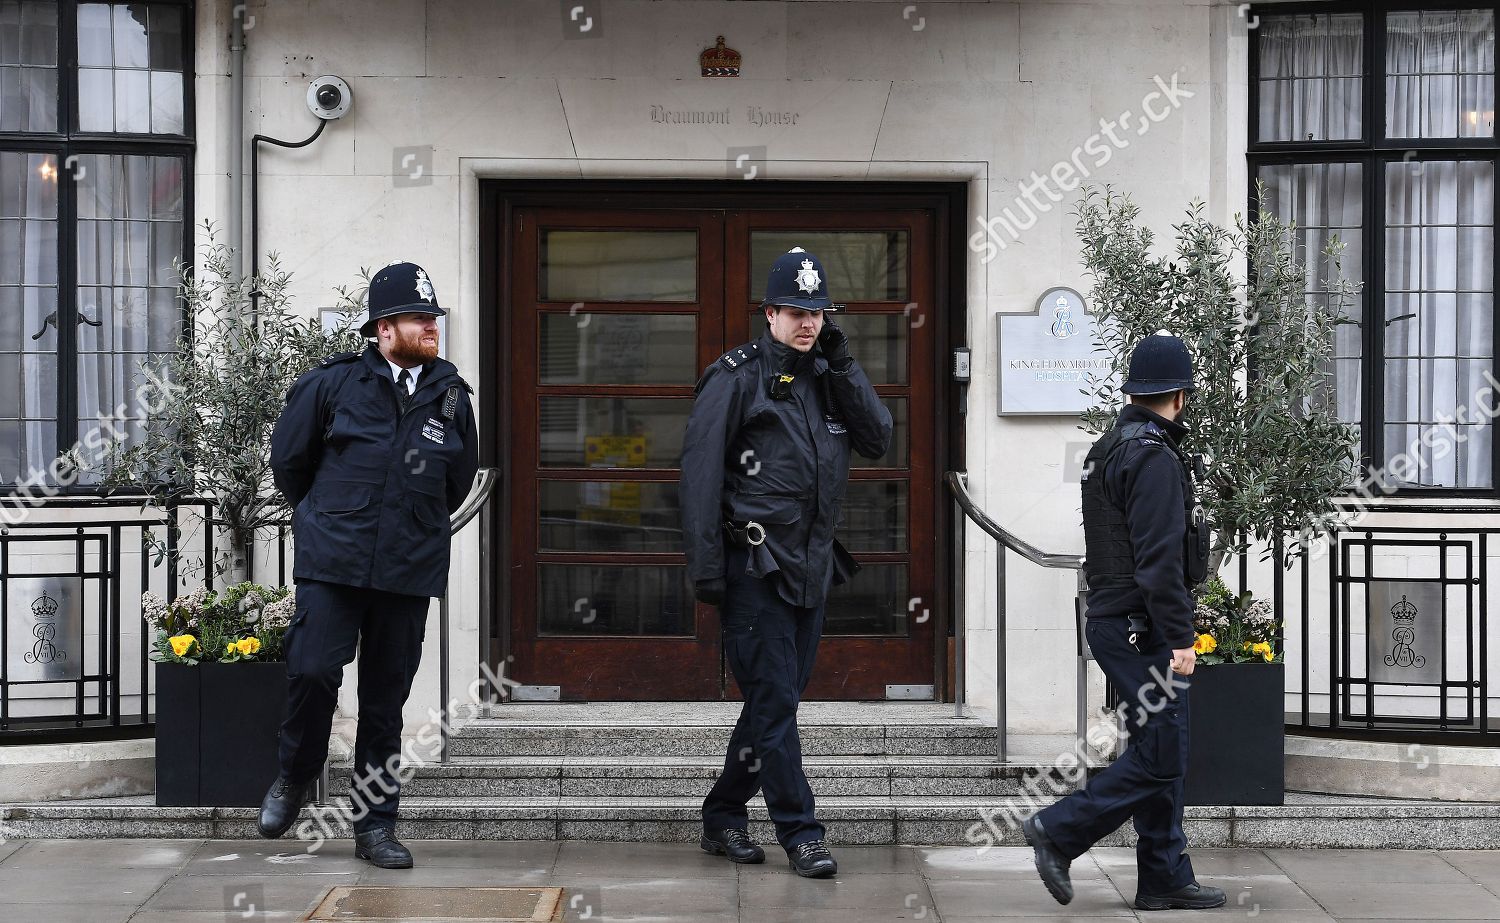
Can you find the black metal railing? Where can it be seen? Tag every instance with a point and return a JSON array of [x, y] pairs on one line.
[[1386, 629], [1387, 633], [74, 654]]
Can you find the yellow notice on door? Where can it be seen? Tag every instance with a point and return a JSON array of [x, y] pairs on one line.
[[610, 501]]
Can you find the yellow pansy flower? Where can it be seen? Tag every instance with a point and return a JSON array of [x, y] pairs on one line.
[[1205, 644], [248, 645], [181, 644], [229, 648]]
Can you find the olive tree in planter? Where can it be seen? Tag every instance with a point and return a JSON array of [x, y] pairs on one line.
[[210, 435], [1276, 455]]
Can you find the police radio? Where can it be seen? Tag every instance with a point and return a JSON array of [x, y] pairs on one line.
[[1199, 535]]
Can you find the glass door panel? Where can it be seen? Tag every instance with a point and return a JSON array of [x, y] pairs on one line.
[[861, 265], [595, 599], [592, 348], [875, 602], [612, 432], [623, 265], [603, 516]]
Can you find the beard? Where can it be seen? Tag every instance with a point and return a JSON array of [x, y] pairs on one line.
[[410, 348]]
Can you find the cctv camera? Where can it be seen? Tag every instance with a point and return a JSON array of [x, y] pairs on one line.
[[329, 97]]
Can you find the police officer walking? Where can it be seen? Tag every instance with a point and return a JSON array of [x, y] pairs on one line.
[[1146, 546], [765, 465], [374, 450]]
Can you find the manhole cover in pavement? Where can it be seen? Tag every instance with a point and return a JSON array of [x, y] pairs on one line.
[[439, 905]]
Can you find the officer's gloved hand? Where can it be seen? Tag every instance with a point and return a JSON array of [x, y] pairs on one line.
[[710, 592], [835, 345]]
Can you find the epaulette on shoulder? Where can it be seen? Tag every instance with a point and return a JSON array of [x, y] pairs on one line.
[[336, 358], [467, 387], [740, 355], [1146, 431]]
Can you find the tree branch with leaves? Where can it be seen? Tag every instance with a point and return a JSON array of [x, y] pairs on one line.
[[231, 368], [1263, 415]]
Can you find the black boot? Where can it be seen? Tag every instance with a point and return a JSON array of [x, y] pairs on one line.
[[382, 849], [1191, 897], [733, 842], [280, 807], [1050, 863], [812, 860]]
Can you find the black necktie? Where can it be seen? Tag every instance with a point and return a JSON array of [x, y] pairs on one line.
[[403, 388]]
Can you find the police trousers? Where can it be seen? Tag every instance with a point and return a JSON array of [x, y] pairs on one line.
[[332, 623], [770, 646], [1145, 783]]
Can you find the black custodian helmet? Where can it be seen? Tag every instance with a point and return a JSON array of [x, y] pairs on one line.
[[797, 280], [1160, 364], [399, 288]]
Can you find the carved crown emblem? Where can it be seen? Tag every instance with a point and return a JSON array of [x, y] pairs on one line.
[[1404, 611], [720, 61]]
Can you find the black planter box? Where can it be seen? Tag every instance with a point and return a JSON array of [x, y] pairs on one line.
[[1237, 735], [216, 732]]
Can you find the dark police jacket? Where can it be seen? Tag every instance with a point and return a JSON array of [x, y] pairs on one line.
[[372, 487], [781, 463], [1145, 489]]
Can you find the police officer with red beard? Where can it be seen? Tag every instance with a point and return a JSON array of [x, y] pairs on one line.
[[374, 450]]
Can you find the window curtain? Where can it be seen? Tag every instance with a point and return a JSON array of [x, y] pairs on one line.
[[28, 314], [1310, 77], [1439, 319], [1440, 69], [129, 230], [1324, 201]]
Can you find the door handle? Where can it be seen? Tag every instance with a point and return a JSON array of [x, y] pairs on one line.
[[51, 321]]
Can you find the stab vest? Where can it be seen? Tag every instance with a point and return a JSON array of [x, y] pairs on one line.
[[1109, 558]]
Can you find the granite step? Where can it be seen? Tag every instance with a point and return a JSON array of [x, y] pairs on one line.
[[1305, 822], [541, 738], [689, 776], [630, 729]]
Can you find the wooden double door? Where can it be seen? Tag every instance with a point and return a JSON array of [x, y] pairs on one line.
[[611, 316]]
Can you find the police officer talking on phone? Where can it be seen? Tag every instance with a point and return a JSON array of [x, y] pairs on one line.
[[1146, 546], [765, 464], [373, 451]]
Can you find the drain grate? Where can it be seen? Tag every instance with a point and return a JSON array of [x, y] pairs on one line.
[[440, 905]]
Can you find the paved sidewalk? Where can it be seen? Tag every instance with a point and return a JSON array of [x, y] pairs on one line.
[[198, 881]]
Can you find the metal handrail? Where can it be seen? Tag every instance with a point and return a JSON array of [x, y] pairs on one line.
[[479, 495], [960, 490], [957, 483]]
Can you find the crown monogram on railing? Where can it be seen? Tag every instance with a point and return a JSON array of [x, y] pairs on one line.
[[44, 607], [1405, 635], [720, 61]]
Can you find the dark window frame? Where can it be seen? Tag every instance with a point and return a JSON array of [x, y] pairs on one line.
[[1373, 150], [66, 142]]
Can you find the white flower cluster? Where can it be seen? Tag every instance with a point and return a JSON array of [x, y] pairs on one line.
[[153, 608], [1260, 612], [193, 602], [279, 613], [191, 605]]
